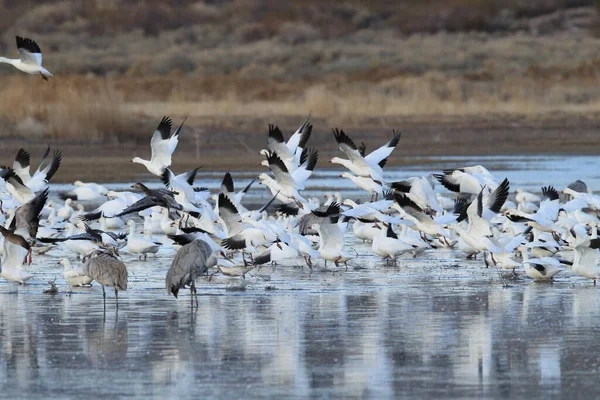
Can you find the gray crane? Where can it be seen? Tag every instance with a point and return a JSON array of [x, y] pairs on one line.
[[106, 269], [191, 261]]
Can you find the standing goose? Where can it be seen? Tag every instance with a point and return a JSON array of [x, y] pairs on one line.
[[30, 58], [106, 269], [163, 145]]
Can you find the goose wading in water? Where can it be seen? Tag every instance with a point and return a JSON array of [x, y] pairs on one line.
[[30, 58]]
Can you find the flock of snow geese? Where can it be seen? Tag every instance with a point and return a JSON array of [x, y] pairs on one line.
[[466, 209]]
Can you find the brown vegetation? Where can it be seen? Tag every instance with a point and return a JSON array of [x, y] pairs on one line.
[[232, 66]]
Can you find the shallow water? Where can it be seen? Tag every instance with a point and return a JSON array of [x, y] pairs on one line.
[[433, 326]]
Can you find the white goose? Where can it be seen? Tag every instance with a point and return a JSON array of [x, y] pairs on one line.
[[30, 58], [139, 245], [359, 164], [74, 276], [540, 269], [163, 145]]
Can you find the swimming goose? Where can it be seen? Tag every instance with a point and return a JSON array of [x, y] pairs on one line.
[[162, 145], [364, 165], [30, 58]]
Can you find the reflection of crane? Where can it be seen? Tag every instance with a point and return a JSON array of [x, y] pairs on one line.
[[107, 270], [191, 261]]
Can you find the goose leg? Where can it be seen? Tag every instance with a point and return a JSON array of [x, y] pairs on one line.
[[43, 76]]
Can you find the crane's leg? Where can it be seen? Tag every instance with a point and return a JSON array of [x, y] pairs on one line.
[[104, 297], [145, 256], [117, 296]]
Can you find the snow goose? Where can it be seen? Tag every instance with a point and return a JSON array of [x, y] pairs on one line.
[[30, 58], [23, 228], [278, 251], [587, 256], [139, 245], [367, 184], [15, 186], [540, 269], [12, 262], [288, 152], [387, 245], [42, 176], [460, 182], [545, 217], [283, 186], [183, 187], [74, 276], [85, 192], [64, 213], [162, 145], [478, 213], [364, 165], [240, 236], [421, 221]]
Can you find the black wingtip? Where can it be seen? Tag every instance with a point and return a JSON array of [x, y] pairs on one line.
[[549, 193], [275, 133], [164, 127], [227, 183], [27, 44]]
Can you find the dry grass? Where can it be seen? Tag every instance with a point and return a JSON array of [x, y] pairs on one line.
[[75, 109]]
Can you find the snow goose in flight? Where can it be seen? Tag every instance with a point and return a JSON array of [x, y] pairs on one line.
[[364, 165], [283, 186], [478, 213], [545, 217], [240, 235], [288, 152], [183, 187], [162, 145], [30, 58], [461, 182], [23, 228], [42, 175], [15, 186]]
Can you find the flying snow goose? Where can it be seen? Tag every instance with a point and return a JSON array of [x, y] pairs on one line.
[[162, 145], [15, 186], [287, 151], [283, 186], [545, 217], [367, 165], [30, 58]]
